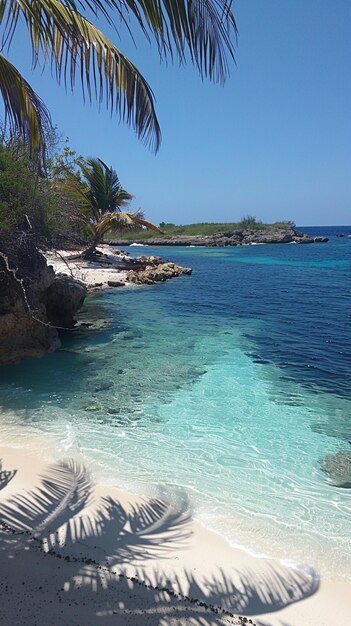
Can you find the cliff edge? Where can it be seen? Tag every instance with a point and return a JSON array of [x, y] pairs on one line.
[[34, 301]]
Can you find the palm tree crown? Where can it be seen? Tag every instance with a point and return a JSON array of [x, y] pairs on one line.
[[103, 190], [100, 198]]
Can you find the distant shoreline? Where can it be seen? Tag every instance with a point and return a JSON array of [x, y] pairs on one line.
[[241, 237]]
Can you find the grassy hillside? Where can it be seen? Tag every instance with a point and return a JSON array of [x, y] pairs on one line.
[[202, 228]]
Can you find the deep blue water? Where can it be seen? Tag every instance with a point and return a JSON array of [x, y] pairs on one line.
[[231, 384]]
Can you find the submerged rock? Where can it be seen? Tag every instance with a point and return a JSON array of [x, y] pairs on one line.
[[338, 468], [104, 386]]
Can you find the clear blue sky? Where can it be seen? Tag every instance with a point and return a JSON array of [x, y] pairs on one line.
[[275, 141]]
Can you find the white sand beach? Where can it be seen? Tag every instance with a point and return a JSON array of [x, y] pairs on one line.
[[95, 275], [73, 552]]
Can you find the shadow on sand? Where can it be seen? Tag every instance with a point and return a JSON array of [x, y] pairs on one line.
[[101, 546]]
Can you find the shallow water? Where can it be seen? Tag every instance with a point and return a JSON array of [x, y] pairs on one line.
[[231, 384]]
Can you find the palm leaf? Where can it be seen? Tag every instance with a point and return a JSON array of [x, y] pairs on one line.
[[78, 50], [200, 29], [25, 111], [148, 225], [206, 29], [103, 189], [122, 220]]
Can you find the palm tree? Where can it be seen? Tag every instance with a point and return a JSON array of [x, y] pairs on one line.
[[101, 198], [60, 35]]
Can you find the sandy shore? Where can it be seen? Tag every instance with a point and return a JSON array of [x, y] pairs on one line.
[[76, 553], [95, 275]]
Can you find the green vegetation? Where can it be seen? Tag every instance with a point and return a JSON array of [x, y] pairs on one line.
[[74, 200], [206, 228], [28, 200], [61, 37]]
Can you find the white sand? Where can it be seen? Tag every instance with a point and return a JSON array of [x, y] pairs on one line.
[[140, 538], [94, 275]]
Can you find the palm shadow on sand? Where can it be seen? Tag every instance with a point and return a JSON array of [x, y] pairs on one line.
[[5, 476], [49, 519]]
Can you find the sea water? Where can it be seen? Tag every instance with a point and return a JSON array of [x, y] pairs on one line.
[[226, 388]]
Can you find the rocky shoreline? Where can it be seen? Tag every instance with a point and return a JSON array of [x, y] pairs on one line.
[[34, 304], [155, 270], [40, 293], [230, 238]]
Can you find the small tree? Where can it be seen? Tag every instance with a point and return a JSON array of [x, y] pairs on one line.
[[249, 221], [100, 197]]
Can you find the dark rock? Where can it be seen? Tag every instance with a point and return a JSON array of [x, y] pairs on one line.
[[32, 301], [24, 327], [63, 299], [115, 283], [104, 386], [320, 239], [338, 468], [305, 240]]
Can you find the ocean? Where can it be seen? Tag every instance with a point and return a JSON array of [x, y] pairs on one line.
[[225, 390]]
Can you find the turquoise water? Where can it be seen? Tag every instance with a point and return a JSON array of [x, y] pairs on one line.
[[229, 386]]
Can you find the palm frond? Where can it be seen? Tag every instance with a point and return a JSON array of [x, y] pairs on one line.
[[104, 190], [205, 29], [24, 110], [122, 220], [79, 51], [148, 225]]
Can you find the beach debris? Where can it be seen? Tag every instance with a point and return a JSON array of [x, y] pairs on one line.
[[338, 468]]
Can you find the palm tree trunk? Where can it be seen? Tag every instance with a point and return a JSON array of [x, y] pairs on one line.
[[90, 253]]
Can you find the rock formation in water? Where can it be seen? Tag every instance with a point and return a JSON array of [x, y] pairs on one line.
[[338, 468], [231, 238], [33, 302], [63, 299], [153, 269]]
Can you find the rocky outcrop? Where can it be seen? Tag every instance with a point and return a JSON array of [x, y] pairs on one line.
[[63, 299], [338, 468], [230, 238], [153, 270], [32, 302]]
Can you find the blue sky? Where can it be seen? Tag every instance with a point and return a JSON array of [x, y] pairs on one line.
[[275, 141]]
